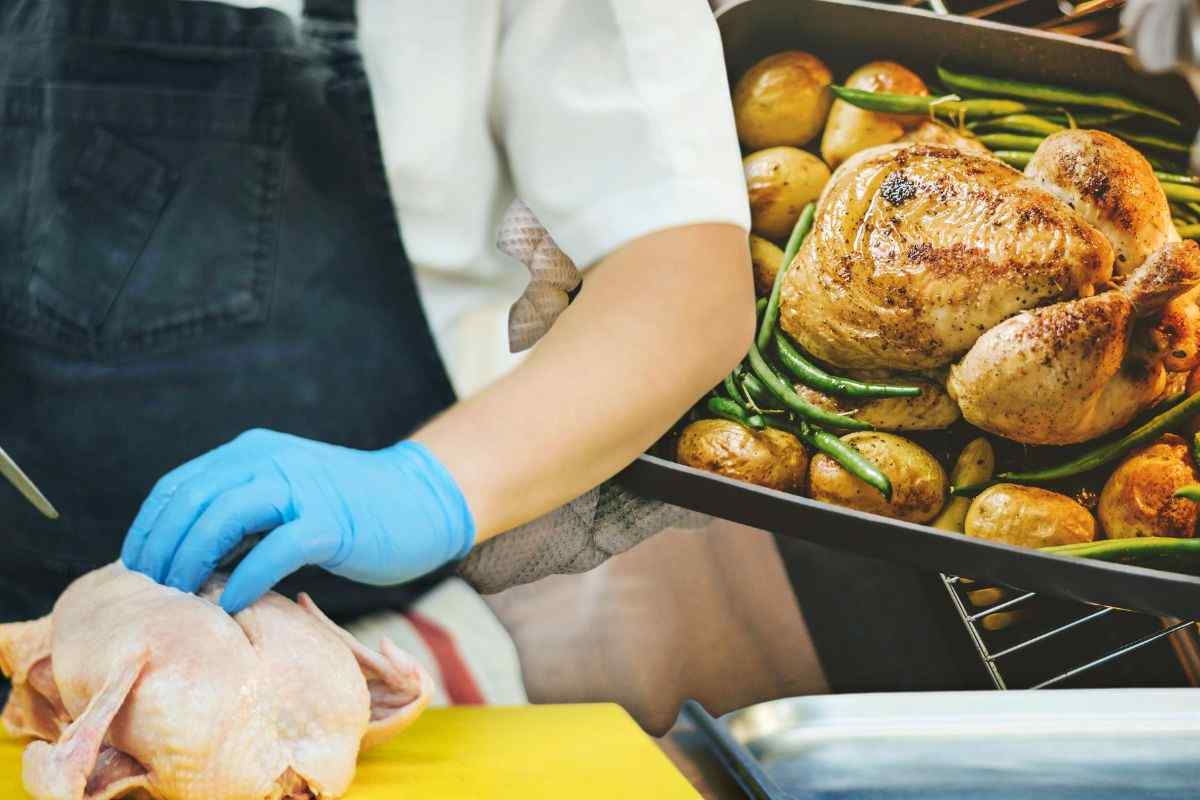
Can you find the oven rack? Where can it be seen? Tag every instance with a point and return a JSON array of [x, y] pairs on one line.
[[1085, 616]]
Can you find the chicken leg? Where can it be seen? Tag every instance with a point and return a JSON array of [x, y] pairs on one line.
[[1076, 370]]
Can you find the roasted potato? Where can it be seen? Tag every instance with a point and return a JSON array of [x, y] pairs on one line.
[[918, 480], [781, 181], [975, 464], [1029, 517], [1138, 498], [770, 458], [782, 100], [767, 258], [851, 129], [931, 410]]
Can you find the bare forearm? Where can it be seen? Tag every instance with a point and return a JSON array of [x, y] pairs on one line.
[[657, 324]]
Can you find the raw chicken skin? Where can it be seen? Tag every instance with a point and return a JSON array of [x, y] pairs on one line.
[[918, 249], [137, 689]]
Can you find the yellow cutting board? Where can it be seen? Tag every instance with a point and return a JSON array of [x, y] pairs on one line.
[[569, 751]]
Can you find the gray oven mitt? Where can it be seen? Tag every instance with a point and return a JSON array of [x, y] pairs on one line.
[[601, 523], [577, 537]]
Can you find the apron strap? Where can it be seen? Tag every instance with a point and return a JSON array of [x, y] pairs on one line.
[[331, 10]]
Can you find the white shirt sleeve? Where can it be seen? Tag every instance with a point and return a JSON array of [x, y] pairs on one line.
[[616, 119]]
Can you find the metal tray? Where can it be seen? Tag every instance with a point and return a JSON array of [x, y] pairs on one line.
[[846, 34], [1088, 743]]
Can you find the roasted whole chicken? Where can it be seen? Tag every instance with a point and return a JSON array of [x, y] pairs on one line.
[[1060, 298], [134, 689]]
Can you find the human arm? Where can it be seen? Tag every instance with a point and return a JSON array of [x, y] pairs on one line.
[[634, 350]]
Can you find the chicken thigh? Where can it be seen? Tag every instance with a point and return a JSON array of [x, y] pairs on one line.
[[1113, 186], [1076, 370], [917, 249], [133, 688]]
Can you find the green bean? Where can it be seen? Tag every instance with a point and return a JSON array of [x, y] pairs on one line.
[[1098, 456], [727, 409], [1086, 119], [1170, 177], [1181, 192], [1046, 93], [1150, 140], [1185, 214], [1191, 492], [1019, 123], [1163, 165], [1014, 158], [771, 314], [794, 402], [853, 461], [758, 394], [1017, 151], [1010, 141], [918, 105], [1189, 231], [811, 375], [731, 388], [760, 306], [1196, 448]]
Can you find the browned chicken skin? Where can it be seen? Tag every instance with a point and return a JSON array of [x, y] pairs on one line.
[[1075, 370], [1112, 186], [918, 249]]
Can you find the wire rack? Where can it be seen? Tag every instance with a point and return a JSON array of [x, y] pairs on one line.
[[1053, 643]]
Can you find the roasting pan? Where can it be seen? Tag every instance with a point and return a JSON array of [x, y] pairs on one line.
[[846, 34]]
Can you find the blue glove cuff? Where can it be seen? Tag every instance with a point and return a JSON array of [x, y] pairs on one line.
[[459, 523]]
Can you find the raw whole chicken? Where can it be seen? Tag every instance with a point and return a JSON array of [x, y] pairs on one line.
[[1074, 371], [135, 689], [918, 249]]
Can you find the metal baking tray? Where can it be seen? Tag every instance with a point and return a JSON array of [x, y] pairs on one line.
[[1084, 743], [846, 33]]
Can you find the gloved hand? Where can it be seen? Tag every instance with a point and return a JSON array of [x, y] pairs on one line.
[[381, 517]]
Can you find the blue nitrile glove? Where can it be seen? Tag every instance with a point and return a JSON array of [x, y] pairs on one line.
[[380, 517]]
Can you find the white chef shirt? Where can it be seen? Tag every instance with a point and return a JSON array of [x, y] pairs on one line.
[[611, 119]]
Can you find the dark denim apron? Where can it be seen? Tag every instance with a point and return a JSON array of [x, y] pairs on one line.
[[196, 238]]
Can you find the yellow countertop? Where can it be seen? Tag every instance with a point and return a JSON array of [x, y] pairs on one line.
[[575, 751]]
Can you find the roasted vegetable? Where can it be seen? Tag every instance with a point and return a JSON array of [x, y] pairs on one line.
[[930, 410], [766, 259], [1028, 516], [1102, 454], [781, 181], [1139, 497], [917, 479], [975, 464], [1153, 552], [782, 100], [769, 457], [813, 376], [766, 327], [824, 441], [851, 129], [1048, 94], [950, 107]]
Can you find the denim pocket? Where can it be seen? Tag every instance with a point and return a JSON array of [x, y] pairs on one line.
[[89, 227], [149, 218]]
